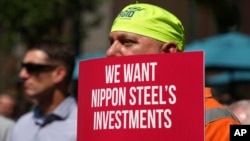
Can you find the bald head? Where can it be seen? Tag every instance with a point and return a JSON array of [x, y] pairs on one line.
[[7, 105], [242, 110]]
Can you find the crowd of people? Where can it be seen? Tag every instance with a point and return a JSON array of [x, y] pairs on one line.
[[46, 73]]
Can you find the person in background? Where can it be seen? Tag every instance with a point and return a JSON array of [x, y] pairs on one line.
[[46, 72], [241, 109], [8, 105], [148, 29], [6, 126]]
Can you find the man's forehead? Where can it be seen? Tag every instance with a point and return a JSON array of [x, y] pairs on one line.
[[35, 56], [123, 34]]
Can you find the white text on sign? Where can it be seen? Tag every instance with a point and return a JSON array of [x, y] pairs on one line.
[[139, 95]]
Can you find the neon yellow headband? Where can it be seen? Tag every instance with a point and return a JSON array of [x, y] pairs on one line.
[[151, 21]]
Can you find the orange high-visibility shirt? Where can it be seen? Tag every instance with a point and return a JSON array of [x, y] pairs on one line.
[[218, 119]]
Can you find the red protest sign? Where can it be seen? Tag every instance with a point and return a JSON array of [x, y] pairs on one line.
[[146, 97]]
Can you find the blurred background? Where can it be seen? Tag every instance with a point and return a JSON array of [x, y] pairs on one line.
[[219, 27]]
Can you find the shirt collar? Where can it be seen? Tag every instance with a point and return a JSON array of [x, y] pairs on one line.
[[60, 113]]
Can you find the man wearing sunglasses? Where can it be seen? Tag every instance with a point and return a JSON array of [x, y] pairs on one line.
[[46, 72]]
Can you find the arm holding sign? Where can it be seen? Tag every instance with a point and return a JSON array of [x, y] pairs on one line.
[[148, 29]]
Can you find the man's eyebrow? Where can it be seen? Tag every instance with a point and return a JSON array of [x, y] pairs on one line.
[[120, 36]]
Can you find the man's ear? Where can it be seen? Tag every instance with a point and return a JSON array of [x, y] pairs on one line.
[[169, 47], [59, 74]]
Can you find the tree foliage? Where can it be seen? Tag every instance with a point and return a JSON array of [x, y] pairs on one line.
[[226, 13], [30, 20]]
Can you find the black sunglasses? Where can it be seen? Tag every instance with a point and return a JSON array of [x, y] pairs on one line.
[[36, 68]]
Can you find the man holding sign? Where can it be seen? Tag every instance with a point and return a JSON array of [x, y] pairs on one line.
[[148, 29]]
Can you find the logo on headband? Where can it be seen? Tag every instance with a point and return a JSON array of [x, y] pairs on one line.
[[128, 13]]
